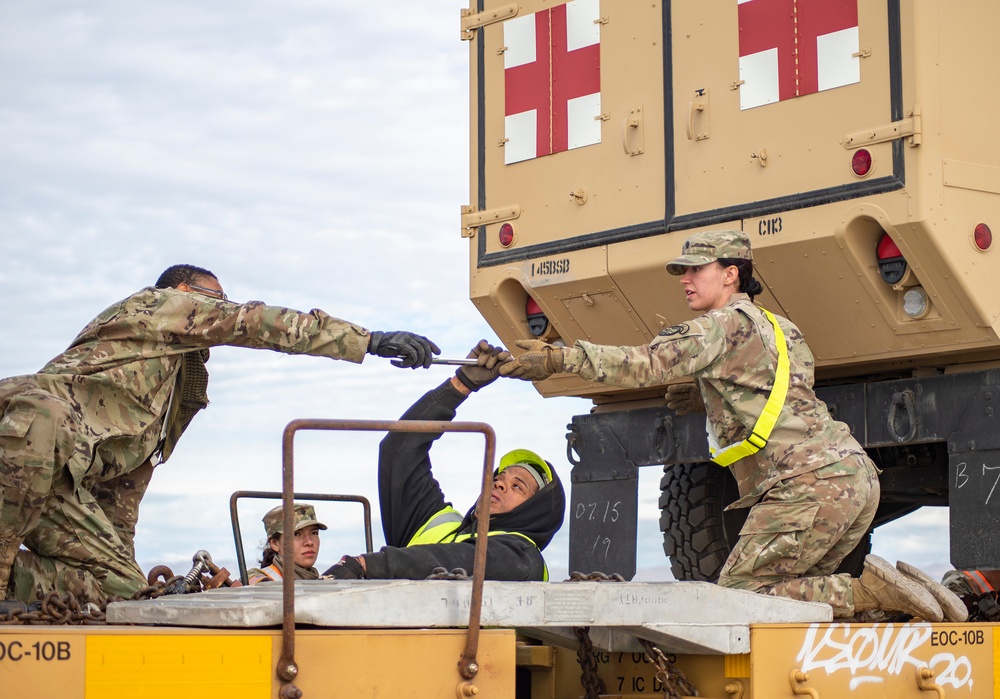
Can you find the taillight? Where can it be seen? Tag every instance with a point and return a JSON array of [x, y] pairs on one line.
[[537, 322], [506, 235], [861, 162], [891, 264], [982, 237]]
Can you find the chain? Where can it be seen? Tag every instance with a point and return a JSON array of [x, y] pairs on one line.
[[441, 573], [675, 684], [64, 607], [596, 576], [593, 685], [56, 609]]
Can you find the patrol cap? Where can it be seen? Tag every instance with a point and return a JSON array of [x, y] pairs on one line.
[[530, 462], [709, 246], [304, 516]]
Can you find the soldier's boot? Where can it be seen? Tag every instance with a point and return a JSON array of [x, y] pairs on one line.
[[951, 604], [883, 587], [8, 552]]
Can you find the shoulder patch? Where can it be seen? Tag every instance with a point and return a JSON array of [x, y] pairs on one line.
[[679, 329]]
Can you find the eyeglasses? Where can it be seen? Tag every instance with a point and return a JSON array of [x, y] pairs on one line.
[[215, 293]]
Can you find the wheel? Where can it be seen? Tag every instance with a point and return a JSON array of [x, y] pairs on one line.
[[698, 533]]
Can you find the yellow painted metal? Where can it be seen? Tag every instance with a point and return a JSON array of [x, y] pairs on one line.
[[874, 661], [102, 661], [140, 666]]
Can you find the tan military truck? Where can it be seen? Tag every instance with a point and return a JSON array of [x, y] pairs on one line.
[[854, 141]]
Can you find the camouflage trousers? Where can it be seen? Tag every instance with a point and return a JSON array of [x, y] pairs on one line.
[[72, 544], [800, 531]]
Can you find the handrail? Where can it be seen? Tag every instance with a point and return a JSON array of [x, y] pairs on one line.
[[287, 669], [276, 495]]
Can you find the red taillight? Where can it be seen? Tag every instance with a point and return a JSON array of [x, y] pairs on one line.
[[861, 163], [891, 263], [983, 236], [887, 248], [506, 235]]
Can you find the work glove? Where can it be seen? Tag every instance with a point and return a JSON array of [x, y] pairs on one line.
[[540, 361], [347, 568], [408, 349], [487, 370], [685, 398]]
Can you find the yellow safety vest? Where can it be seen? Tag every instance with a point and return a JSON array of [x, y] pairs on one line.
[[761, 431], [440, 529]]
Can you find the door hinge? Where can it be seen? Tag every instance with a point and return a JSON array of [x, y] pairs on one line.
[[472, 20], [471, 219], [909, 128]]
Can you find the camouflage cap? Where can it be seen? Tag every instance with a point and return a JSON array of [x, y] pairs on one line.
[[305, 516], [709, 246]]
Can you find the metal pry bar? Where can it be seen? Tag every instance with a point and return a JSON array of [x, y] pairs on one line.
[[455, 362]]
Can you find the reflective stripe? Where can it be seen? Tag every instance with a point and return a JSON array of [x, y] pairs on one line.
[[436, 529], [440, 529], [979, 580], [772, 409]]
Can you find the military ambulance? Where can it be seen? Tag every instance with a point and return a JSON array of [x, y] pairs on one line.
[[853, 140]]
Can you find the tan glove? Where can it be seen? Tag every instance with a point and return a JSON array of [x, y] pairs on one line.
[[684, 398], [487, 371], [540, 361]]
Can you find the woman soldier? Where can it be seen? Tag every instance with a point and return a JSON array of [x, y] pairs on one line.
[[811, 489], [306, 546]]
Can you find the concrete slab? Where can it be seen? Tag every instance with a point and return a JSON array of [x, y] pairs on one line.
[[683, 617]]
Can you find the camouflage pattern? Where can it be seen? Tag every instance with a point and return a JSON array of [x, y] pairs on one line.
[[95, 418], [703, 248], [302, 514], [797, 535], [969, 583], [731, 353]]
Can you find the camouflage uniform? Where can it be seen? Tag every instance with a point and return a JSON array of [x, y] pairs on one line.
[[967, 583], [812, 489], [79, 440]]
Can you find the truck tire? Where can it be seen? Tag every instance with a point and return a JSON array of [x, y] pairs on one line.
[[698, 533]]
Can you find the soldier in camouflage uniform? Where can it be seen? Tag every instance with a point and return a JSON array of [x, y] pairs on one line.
[[812, 489], [79, 440], [304, 551]]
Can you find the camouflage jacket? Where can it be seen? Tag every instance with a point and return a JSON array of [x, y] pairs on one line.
[[731, 352], [119, 374]]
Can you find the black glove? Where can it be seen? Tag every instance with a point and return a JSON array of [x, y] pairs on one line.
[[487, 370], [408, 349], [347, 568]]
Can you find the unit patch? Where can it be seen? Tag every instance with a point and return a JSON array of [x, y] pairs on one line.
[[679, 329]]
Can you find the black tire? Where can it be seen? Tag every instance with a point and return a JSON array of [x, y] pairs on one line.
[[698, 533]]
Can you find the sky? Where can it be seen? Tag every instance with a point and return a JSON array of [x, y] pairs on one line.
[[312, 154]]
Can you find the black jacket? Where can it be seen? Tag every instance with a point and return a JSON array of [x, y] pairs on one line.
[[409, 496]]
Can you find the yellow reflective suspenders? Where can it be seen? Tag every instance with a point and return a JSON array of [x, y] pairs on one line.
[[769, 416]]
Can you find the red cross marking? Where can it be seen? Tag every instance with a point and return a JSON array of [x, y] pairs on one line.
[[791, 26], [557, 76]]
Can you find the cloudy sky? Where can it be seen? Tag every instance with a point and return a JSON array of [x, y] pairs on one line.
[[313, 154]]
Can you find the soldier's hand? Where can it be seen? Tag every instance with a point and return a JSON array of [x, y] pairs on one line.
[[489, 359], [347, 568], [684, 398], [405, 348], [540, 361]]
